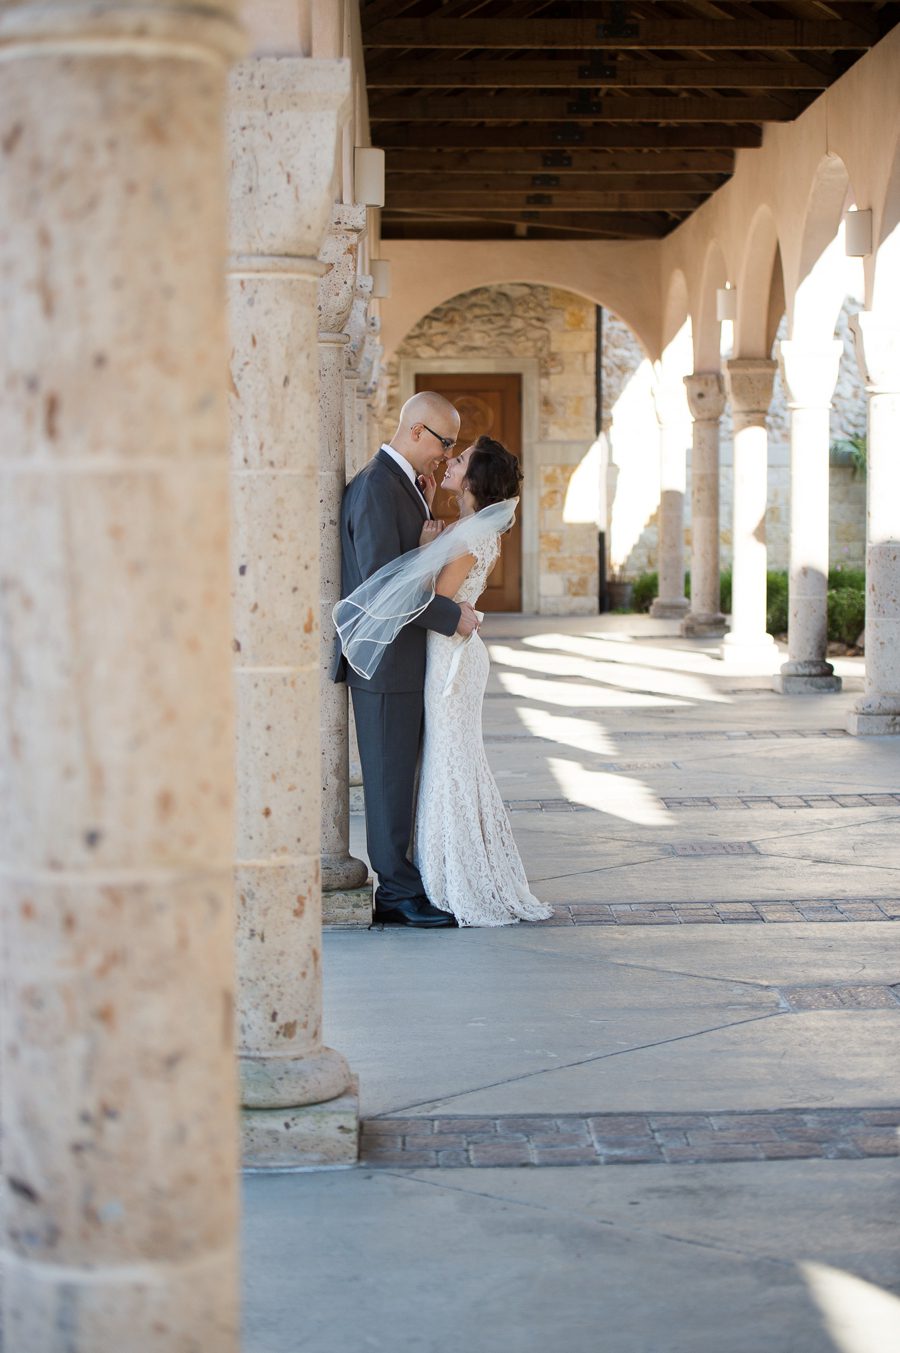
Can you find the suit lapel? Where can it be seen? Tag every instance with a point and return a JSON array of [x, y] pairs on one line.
[[384, 459]]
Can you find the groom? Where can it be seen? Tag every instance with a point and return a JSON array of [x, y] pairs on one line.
[[382, 517]]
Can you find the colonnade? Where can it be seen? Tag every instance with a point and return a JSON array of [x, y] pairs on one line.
[[810, 374]]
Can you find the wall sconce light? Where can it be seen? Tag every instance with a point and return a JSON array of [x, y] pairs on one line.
[[368, 176], [380, 269], [726, 304], [858, 233]]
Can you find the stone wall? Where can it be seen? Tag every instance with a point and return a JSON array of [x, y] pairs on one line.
[[558, 329]]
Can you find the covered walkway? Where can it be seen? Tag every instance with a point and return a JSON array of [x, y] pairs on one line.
[[716, 1029]]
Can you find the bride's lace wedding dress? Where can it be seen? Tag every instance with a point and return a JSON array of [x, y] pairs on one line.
[[464, 846]]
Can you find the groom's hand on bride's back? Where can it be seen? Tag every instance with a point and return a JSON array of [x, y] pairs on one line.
[[468, 619]]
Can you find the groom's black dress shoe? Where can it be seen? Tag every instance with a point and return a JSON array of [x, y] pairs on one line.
[[414, 911]]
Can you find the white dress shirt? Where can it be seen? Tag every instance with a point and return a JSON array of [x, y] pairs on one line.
[[408, 471]]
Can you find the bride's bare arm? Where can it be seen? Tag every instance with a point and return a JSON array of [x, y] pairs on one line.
[[453, 575]]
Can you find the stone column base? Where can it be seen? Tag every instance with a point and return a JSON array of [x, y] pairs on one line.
[[704, 625], [347, 906], [297, 1139], [791, 683], [873, 725], [669, 610]]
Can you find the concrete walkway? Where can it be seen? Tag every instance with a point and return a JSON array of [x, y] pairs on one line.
[[665, 1121]]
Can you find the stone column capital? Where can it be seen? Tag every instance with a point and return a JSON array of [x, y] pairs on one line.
[[705, 395], [285, 114], [124, 29], [358, 323], [340, 284], [877, 343], [809, 372], [749, 383]]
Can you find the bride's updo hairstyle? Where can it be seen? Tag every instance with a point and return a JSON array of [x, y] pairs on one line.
[[492, 474]]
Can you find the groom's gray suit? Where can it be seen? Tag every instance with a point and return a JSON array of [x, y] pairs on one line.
[[381, 518]]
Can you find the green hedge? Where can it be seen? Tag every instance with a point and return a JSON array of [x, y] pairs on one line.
[[846, 600]]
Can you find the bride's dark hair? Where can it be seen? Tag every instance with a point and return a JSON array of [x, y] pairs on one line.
[[493, 473]]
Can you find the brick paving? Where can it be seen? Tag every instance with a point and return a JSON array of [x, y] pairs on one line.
[[445, 1141], [722, 802], [772, 912]]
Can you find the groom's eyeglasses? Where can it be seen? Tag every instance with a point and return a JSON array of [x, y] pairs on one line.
[[447, 443]]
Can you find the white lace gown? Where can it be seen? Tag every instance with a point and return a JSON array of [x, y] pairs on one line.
[[464, 846]]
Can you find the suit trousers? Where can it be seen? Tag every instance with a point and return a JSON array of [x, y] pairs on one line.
[[389, 733]]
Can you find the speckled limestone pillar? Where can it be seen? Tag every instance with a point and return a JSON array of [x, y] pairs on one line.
[[119, 1132], [671, 410], [347, 896], [810, 375], [284, 123], [878, 350], [706, 400], [749, 382]]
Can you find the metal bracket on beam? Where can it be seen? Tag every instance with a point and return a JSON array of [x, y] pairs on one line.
[[539, 200], [584, 106], [556, 159], [545, 180], [568, 134], [617, 26], [597, 70]]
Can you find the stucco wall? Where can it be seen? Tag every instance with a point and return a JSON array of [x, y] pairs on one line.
[[557, 328]]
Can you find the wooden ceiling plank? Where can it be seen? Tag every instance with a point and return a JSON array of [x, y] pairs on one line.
[[749, 34], [470, 185], [575, 163], [478, 73], [549, 202], [569, 136], [515, 108]]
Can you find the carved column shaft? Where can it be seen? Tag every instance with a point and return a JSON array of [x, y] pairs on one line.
[[116, 992], [810, 376], [749, 383], [706, 399], [878, 350], [285, 119], [338, 292]]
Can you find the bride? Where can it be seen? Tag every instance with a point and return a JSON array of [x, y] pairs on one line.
[[463, 842]]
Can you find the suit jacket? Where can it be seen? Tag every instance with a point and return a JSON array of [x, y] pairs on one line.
[[381, 518]]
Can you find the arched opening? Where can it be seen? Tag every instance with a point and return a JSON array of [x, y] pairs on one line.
[[582, 381]]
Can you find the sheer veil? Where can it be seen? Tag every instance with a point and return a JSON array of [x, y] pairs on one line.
[[373, 615]]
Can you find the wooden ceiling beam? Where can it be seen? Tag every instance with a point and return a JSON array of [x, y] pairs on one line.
[[619, 227], [570, 136], [502, 181], [515, 108], [756, 34], [571, 163], [547, 201], [482, 73]]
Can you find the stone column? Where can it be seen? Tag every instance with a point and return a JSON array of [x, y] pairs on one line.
[[347, 897], [749, 382], [810, 375], [671, 411], [877, 341], [285, 118], [706, 400], [119, 1131]]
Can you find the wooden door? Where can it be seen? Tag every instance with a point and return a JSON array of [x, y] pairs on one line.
[[493, 405]]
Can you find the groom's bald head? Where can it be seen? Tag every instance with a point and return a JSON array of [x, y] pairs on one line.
[[425, 418]]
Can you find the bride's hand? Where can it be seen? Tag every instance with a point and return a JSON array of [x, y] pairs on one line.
[[427, 487], [430, 531]]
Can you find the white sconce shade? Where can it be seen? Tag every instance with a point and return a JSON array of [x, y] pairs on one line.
[[858, 233], [368, 176], [380, 269], [726, 304]]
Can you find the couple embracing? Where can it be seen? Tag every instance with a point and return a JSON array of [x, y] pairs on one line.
[[417, 670]]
